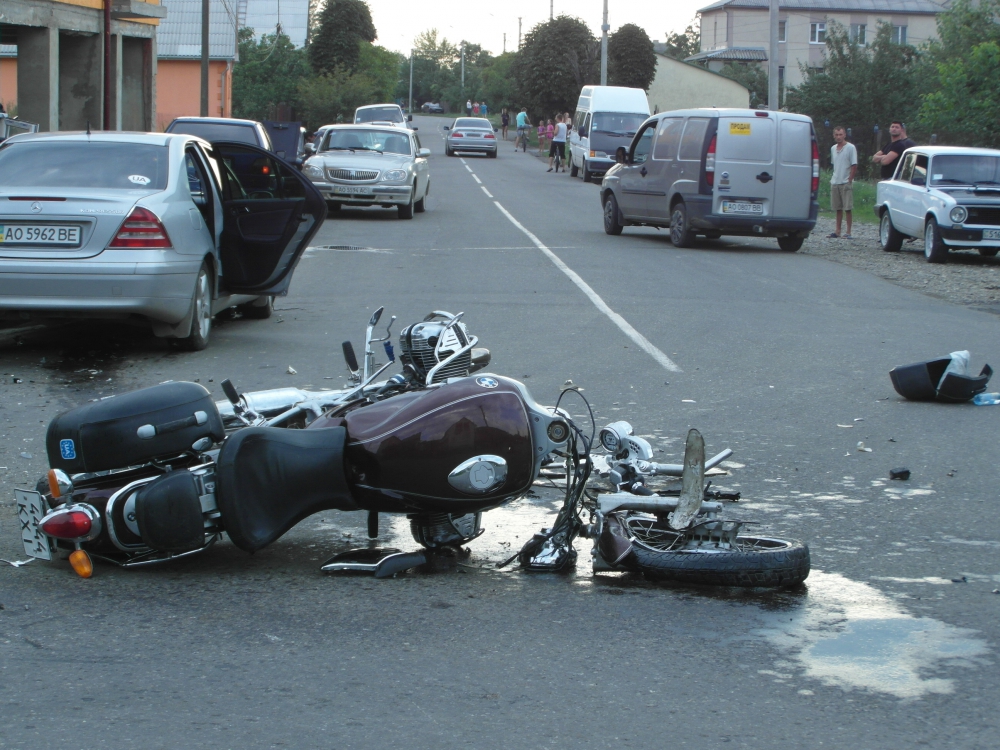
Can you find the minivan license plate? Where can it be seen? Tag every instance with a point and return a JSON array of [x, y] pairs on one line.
[[742, 207], [39, 234], [31, 510]]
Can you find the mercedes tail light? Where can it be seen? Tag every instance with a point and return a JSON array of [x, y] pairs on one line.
[[710, 163], [142, 229], [458, 135], [78, 523], [815, 180]]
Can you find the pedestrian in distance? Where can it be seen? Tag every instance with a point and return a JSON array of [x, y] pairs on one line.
[[550, 131], [558, 143], [483, 109], [468, 108], [541, 137], [888, 157], [475, 109], [844, 158], [504, 122]]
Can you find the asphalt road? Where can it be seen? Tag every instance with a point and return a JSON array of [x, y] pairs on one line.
[[782, 357]]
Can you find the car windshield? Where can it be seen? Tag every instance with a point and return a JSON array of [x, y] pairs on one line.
[[379, 114], [473, 122], [383, 141], [216, 131], [617, 123], [83, 164], [965, 169]]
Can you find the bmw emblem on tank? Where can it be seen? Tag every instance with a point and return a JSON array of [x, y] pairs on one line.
[[487, 382]]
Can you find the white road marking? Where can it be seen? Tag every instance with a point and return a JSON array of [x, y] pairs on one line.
[[476, 178], [469, 168], [486, 191], [462, 160], [601, 305]]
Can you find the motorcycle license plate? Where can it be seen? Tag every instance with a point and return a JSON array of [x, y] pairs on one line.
[[39, 234], [30, 510], [352, 190], [991, 234], [742, 207]]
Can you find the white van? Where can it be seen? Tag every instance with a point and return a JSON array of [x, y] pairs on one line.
[[606, 118], [712, 172]]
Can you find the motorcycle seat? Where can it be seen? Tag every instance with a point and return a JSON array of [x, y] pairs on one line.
[[269, 479]]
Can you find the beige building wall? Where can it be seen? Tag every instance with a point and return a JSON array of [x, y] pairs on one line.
[[680, 85], [747, 27]]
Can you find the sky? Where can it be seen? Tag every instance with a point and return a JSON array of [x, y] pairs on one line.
[[399, 21]]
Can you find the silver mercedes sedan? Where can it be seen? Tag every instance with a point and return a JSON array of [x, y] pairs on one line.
[[369, 165], [164, 228]]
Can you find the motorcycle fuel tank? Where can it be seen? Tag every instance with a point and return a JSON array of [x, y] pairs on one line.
[[468, 445]]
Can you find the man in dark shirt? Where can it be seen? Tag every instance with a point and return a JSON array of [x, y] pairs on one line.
[[888, 157]]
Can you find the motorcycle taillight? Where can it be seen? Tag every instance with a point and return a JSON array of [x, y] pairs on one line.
[[69, 525]]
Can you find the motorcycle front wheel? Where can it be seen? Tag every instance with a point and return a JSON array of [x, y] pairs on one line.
[[752, 561]]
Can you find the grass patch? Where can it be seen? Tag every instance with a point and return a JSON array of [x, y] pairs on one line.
[[864, 199]]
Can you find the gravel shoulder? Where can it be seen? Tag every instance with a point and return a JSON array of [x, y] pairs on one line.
[[967, 279]]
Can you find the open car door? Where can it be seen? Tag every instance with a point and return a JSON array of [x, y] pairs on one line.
[[270, 213]]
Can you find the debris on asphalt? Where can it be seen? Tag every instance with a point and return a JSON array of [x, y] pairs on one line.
[[25, 455], [900, 473], [946, 379], [845, 425], [861, 447], [859, 419], [292, 371], [16, 564], [986, 399], [951, 473], [963, 579], [688, 401]]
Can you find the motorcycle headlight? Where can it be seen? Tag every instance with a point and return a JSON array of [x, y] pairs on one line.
[[313, 171], [394, 175], [958, 214]]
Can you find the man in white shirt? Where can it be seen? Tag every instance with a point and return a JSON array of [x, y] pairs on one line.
[[844, 158], [558, 144]]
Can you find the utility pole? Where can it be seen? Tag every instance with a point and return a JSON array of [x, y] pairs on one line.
[[204, 57], [505, 42], [519, 32], [772, 62], [552, 10], [463, 68], [411, 82], [604, 46]]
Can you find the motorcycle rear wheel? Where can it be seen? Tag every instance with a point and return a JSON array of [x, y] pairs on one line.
[[755, 561]]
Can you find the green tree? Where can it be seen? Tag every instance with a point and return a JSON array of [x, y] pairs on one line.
[[682, 46], [631, 60], [965, 109], [498, 87], [268, 73], [859, 88], [753, 76], [557, 58], [342, 26]]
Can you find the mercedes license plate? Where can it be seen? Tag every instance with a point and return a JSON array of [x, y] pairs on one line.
[[991, 234], [742, 207], [31, 510], [352, 190], [39, 234]]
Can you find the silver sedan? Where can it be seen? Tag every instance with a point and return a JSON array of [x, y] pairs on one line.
[[475, 134], [366, 165], [166, 228]]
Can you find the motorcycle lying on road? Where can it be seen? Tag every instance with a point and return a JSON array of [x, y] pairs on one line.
[[439, 446]]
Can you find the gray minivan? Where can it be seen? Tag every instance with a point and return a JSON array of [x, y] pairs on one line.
[[712, 172]]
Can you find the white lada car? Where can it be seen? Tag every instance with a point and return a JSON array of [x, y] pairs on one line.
[[948, 195]]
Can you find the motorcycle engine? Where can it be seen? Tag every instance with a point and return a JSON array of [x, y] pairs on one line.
[[424, 345], [445, 529]]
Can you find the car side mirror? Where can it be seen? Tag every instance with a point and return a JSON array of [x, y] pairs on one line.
[[409, 118], [423, 153], [310, 148], [414, 128], [496, 130], [447, 127], [921, 181]]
